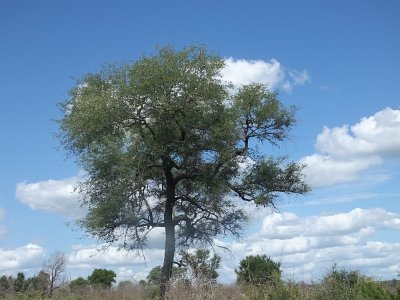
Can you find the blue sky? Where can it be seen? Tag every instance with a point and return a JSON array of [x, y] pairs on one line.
[[337, 61]]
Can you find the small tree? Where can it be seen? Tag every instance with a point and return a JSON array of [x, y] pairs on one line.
[[37, 285], [340, 283], [78, 285], [55, 268], [6, 285], [200, 266], [102, 278], [258, 270], [155, 274], [19, 282]]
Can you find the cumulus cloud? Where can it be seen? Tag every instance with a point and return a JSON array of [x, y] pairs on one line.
[[22, 258], [56, 196], [97, 256], [241, 72], [128, 265], [308, 247], [343, 153]]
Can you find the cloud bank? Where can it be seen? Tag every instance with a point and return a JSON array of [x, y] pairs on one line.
[[21, 258], [343, 153], [308, 247]]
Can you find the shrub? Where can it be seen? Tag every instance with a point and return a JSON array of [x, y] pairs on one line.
[[258, 270], [102, 278]]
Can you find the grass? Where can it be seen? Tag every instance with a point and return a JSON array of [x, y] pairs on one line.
[[336, 285]]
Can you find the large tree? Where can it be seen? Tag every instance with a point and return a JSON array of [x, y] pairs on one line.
[[166, 143]]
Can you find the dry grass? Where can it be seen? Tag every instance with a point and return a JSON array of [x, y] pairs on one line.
[[280, 290]]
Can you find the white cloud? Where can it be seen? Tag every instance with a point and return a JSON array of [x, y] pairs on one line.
[[56, 196], [22, 258], [241, 72], [128, 265], [282, 225], [132, 274], [343, 153], [308, 247]]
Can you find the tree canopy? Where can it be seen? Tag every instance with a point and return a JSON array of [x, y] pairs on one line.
[[167, 143], [200, 266], [102, 278], [258, 270]]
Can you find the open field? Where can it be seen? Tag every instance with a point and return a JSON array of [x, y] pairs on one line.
[[330, 288]]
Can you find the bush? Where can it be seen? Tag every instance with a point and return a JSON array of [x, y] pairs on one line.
[[102, 278], [79, 285], [258, 270], [351, 285]]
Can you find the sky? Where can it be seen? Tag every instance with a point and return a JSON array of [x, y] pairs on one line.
[[337, 61]]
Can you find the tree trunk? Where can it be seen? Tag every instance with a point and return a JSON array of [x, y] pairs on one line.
[[169, 250], [169, 234]]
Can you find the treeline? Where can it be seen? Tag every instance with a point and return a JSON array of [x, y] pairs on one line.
[[39, 286], [195, 277]]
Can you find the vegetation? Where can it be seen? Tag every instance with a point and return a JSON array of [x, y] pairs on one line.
[[163, 142], [79, 285], [102, 278], [155, 275], [339, 283], [55, 268], [200, 267], [257, 270]]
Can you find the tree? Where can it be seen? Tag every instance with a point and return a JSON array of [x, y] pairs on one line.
[[258, 270], [78, 285], [55, 267], [200, 266], [155, 274], [19, 282], [37, 285], [164, 142], [102, 278], [6, 285]]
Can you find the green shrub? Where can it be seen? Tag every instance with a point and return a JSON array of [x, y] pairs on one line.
[[258, 270]]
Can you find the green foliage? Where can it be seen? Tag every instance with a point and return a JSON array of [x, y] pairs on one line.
[[102, 278], [37, 285], [163, 142], [258, 270], [155, 274], [342, 284], [328, 289], [79, 285], [169, 114], [6, 285], [201, 268], [19, 282]]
